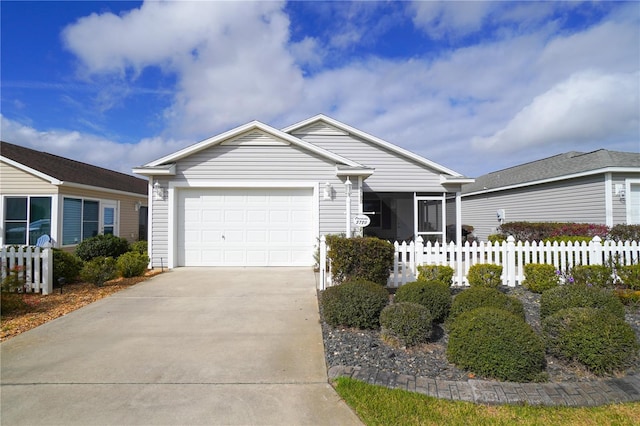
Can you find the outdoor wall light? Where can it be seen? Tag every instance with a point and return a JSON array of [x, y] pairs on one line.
[[327, 192], [158, 192], [137, 205], [347, 186]]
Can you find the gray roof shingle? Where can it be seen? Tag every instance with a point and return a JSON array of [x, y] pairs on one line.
[[566, 164], [67, 170]]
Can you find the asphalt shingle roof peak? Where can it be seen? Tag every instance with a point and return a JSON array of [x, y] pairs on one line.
[[68, 170], [565, 164]]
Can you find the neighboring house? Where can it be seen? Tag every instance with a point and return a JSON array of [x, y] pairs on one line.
[[256, 195], [68, 200], [595, 187]]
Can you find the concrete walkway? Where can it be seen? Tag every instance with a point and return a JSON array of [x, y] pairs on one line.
[[572, 394], [191, 346]]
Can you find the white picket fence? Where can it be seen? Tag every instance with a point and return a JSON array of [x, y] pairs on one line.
[[34, 266], [511, 255]]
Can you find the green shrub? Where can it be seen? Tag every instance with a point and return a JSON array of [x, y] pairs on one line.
[[630, 276], [623, 232], [479, 297], [539, 231], [14, 279], [141, 247], [434, 296], [496, 238], [355, 303], [568, 239], [495, 343], [102, 246], [12, 302], [485, 275], [441, 273], [578, 296], [65, 265], [409, 323], [540, 277], [132, 264], [99, 270], [595, 275], [597, 338], [628, 296], [365, 258]]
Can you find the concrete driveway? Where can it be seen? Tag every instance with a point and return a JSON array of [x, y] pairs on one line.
[[191, 346]]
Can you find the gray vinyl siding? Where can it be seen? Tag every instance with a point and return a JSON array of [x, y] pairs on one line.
[[245, 162], [579, 200], [393, 173]]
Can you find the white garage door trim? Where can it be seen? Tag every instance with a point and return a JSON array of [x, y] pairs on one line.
[[174, 198]]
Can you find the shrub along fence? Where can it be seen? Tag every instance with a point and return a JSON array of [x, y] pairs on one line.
[[32, 265], [511, 255]]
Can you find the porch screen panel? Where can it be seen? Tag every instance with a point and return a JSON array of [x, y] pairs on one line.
[[71, 221], [430, 216]]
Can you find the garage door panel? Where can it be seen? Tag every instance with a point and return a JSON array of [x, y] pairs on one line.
[[245, 227]]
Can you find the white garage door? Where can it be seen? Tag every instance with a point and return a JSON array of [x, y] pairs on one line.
[[245, 227]]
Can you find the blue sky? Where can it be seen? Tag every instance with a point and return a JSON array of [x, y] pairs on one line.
[[474, 86]]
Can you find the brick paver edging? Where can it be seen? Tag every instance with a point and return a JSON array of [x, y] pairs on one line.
[[572, 394]]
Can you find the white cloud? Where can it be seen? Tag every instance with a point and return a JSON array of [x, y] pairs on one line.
[[88, 148], [588, 107], [450, 19], [231, 59]]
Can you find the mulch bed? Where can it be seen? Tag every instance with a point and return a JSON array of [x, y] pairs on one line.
[[40, 309]]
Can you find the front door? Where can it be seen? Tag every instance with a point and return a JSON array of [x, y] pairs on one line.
[[109, 218]]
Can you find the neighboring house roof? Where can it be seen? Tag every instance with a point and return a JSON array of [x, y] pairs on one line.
[[372, 139], [60, 170], [559, 167]]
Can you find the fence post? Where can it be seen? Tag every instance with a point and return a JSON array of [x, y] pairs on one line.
[[419, 253], [47, 271], [510, 262], [323, 262], [595, 251]]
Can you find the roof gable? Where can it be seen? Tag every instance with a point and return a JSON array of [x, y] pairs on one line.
[[557, 167], [254, 132], [60, 170], [321, 124]]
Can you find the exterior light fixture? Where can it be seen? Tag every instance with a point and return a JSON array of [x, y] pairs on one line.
[[327, 191], [158, 192]]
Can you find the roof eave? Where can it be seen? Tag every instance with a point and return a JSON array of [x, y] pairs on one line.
[[52, 180], [164, 170], [354, 171]]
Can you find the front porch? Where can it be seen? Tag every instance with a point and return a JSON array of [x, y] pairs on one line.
[[403, 216]]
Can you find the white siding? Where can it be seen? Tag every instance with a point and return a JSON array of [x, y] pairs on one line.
[[245, 163], [579, 200]]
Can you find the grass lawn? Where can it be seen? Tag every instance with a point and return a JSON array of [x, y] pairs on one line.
[[376, 405]]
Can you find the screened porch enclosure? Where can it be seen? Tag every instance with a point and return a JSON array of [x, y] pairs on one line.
[[403, 216]]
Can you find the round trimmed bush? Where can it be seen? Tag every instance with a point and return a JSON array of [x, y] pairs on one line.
[[594, 275], [99, 270], [141, 247], [540, 277], [442, 273], [65, 265], [433, 295], [630, 276], [132, 264], [479, 297], [355, 303], [409, 323], [495, 343], [597, 338], [102, 246], [578, 296], [485, 275]]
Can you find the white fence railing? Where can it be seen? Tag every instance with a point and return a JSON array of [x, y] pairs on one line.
[[34, 266], [510, 254]]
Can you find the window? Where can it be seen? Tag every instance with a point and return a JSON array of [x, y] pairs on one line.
[[80, 220], [26, 219]]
